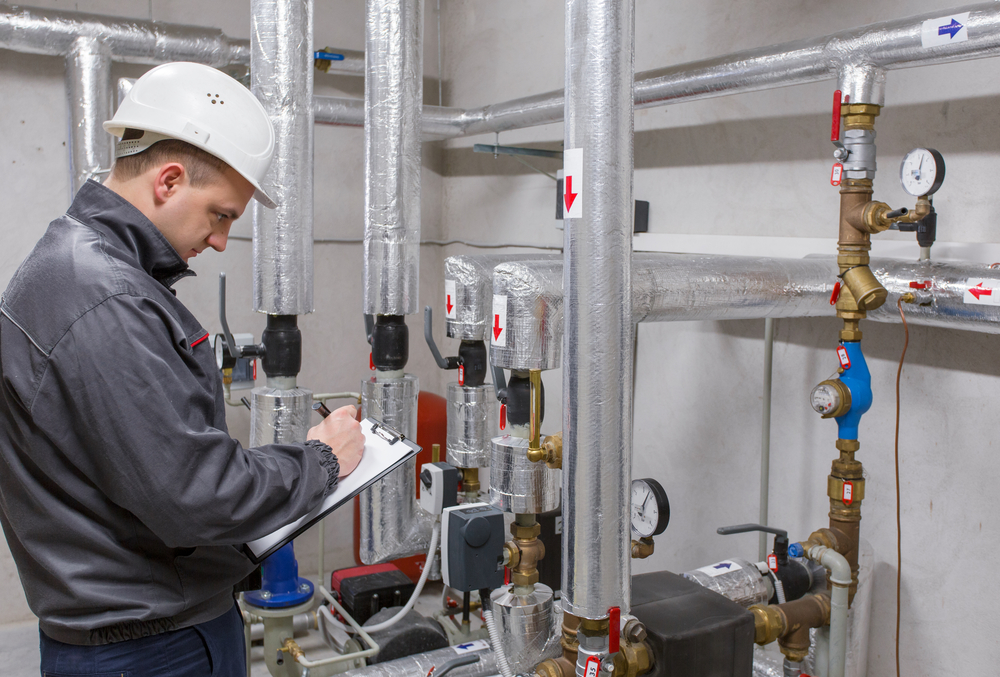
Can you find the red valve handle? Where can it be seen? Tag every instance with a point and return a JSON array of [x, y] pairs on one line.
[[835, 126]]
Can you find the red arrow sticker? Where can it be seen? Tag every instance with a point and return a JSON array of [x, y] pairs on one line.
[[573, 183], [498, 335], [980, 291], [449, 299], [848, 496], [845, 361]]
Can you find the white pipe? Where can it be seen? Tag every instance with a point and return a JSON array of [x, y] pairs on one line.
[[840, 578], [497, 641], [765, 435]]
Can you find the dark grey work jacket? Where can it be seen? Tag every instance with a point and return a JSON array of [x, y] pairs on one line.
[[123, 498]]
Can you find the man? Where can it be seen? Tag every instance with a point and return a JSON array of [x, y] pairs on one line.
[[123, 498]]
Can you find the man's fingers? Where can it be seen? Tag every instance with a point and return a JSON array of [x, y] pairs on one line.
[[347, 411]]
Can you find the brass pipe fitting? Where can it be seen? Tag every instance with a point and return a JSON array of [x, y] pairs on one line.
[[789, 623], [535, 453], [470, 480], [768, 623], [642, 548], [553, 450], [293, 649], [524, 553], [845, 516], [865, 288], [633, 659], [860, 115], [594, 627]]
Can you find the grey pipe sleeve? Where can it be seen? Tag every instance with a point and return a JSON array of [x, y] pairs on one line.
[[393, 97], [282, 79], [857, 59], [31, 30], [597, 375], [88, 93], [840, 578]]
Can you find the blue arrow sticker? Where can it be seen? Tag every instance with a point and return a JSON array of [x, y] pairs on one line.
[[945, 30]]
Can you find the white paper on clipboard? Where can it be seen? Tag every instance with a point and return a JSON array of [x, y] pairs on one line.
[[381, 456]]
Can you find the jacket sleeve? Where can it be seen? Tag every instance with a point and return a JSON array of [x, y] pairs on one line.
[[133, 407]]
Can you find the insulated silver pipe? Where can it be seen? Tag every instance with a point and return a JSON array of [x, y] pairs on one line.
[[88, 93], [858, 59], [31, 30], [393, 97], [353, 62], [679, 287], [597, 376], [282, 79]]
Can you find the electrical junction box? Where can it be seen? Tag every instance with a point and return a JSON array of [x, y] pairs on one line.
[[472, 538], [438, 487], [366, 590]]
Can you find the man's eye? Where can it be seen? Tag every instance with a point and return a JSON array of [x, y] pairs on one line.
[[220, 217]]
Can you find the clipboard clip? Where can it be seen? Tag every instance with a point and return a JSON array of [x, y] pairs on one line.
[[386, 433]]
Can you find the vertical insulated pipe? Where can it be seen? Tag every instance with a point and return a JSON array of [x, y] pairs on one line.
[[281, 78], [597, 377], [393, 104], [88, 92]]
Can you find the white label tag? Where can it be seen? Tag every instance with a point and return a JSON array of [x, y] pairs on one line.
[[723, 567], [469, 647], [848, 497], [944, 31], [498, 332], [836, 174], [845, 360], [573, 183], [449, 299], [593, 667], [981, 292]]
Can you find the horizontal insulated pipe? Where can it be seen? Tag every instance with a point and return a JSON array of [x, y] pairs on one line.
[[31, 30], [856, 58], [679, 287]]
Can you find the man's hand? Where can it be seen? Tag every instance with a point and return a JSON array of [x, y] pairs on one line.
[[343, 434]]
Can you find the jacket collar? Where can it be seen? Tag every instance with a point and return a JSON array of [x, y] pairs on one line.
[[129, 232]]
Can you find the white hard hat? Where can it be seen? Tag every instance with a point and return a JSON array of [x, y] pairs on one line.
[[203, 107]]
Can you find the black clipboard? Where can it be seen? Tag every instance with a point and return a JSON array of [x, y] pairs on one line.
[[385, 450]]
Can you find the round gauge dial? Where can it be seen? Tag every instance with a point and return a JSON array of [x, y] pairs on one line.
[[220, 350], [650, 509], [922, 171], [824, 398]]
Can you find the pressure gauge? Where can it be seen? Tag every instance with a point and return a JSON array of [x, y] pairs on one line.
[[831, 398], [650, 508], [922, 171]]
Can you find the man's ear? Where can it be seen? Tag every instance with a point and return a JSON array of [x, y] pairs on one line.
[[169, 178]]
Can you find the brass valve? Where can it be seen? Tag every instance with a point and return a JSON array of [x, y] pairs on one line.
[[535, 452], [523, 553], [553, 451], [642, 548]]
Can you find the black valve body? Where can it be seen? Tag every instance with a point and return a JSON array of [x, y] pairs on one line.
[[795, 579], [390, 343], [282, 346], [472, 357], [519, 399]]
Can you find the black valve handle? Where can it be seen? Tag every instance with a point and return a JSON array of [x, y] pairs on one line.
[[780, 548], [443, 362]]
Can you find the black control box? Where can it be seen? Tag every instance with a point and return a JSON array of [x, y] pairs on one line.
[[472, 538]]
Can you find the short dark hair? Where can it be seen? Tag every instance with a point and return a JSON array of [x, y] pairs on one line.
[[202, 167]]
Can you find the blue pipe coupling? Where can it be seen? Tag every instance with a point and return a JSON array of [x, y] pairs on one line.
[[280, 583], [847, 395]]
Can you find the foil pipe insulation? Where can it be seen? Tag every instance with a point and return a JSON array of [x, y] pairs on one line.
[[597, 375], [88, 93], [282, 79], [279, 416], [420, 664], [532, 292], [857, 58], [393, 98], [472, 423], [516, 484], [525, 624], [392, 524], [472, 279], [31, 30]]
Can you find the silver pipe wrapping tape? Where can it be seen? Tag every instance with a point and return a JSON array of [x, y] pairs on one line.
[[392, 524], [282, 79], [525, 624], [597, 375], [472, 280], [420, 664], [516, 484], [393, 98], [88, 91], [745, 586], [531, 292], [472, 423], [279, 416], [31, 30]]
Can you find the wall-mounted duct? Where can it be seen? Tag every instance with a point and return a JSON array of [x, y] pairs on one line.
[[393, 97], [282, 79], [856, 58], [597, 375]]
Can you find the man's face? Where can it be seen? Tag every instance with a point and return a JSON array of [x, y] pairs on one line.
[[196, 218]]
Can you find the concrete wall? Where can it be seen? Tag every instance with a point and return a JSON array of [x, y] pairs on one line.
[[34, 170], [759, 164]]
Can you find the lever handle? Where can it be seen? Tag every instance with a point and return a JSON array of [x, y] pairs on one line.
[[227, 336], [746, 528], [835, 127], [499, 382], [443, 362]]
